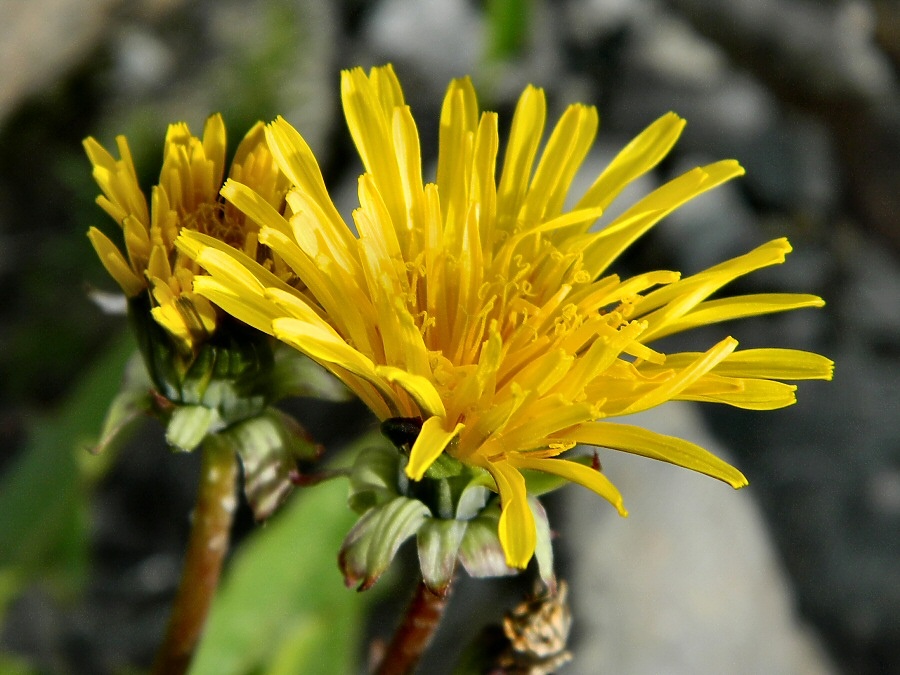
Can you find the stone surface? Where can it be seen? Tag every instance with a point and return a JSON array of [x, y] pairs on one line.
[[688, 583], [41, 40], [444, 38]]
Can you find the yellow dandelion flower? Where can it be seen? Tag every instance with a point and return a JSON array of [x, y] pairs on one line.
[[485, 307], [187, 197]]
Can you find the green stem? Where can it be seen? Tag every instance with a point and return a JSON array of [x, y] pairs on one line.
[[208, 543], [415, 632]]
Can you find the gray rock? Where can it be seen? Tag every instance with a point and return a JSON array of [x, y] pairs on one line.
[[41, 40], [249, 60], [588, 20], [441, 38], [870, 300], [689, 583], [828, 46]]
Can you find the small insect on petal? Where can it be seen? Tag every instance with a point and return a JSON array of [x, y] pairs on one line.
[[402, 431]]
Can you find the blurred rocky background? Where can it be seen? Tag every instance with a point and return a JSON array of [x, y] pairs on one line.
[[800, 573]]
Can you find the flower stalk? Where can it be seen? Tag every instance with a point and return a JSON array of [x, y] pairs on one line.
[[208, 543], [413, 635]]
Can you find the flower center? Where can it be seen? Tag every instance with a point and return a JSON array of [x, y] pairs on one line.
[[215, 220]]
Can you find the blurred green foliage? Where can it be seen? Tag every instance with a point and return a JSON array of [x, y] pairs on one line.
[[283, 606], [44, 494], [509, 24]]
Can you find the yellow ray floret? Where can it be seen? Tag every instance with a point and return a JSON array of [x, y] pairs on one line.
[[481, 305], [186, 199]]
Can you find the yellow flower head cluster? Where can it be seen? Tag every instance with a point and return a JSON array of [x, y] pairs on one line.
[[186, 198], [484, 305]]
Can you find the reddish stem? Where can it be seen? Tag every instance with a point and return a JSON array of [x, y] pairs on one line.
[[415, 632], [208, 543]]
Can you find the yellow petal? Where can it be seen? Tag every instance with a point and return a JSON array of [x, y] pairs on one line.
[[317, 235], [518, 535], [164, 221], [525, 135], [253, 205], [115, 263], [201, 246], [246, 307], [252, 141], [542, 419], [332, 290], [624, 230], [296, 160], [683, 378], [747, 393], [596, 359], [483, 190], [409, 156], [459, 119], [590, 478], [640, 441], [172, 320], [137, 242], [158, 266], [643, 153], [737, 307], [676, 299], [423, 392], [370, 126], [214, 142], [324, 346], [98, 155], [296, 306], [387, 86], [777, 364], [429, 445], [606, 295], [565, 151]]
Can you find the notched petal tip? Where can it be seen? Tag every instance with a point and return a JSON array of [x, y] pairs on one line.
[[229, 188], [738, 483]]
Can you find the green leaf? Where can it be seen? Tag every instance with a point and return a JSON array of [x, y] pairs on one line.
[[11, 665], [300, 651], [282, 606], [372, 543], [43, 495]]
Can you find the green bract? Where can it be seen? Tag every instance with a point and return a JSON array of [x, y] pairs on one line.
[[453, 517], [222, 395]]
